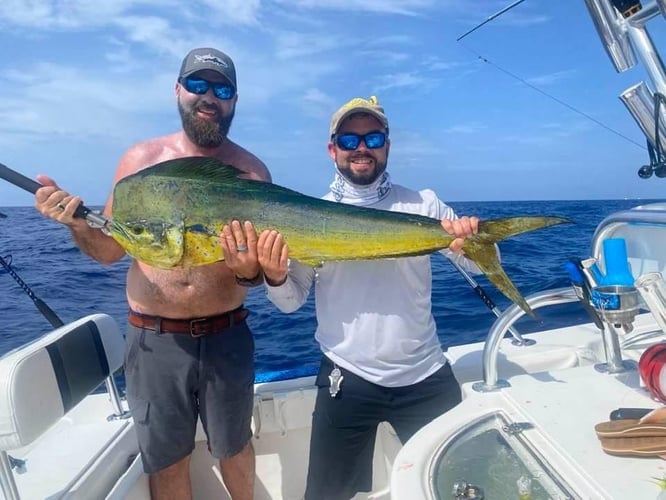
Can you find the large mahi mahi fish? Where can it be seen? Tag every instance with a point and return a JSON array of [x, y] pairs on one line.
[[171, 215]]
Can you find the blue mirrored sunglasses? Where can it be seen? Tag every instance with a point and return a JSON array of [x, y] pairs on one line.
[[200, 86], [349, 142]]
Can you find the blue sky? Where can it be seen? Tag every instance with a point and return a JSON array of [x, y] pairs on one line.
[[82, 80]]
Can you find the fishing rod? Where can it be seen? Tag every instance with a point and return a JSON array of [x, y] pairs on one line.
[[485, 298], [31, 186], [505, 9], [43, 308], [56, 322], [20, 180]]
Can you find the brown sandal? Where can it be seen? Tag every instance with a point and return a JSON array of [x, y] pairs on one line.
[[654, 446]]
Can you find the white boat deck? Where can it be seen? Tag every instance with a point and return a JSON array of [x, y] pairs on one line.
[[563, 404], [553, 385]]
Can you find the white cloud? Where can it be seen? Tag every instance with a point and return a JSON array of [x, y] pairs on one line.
[[550, 79], [294, 45], [466, 128], [404, 80], [87, 14], [73, 14], [402, 7], [66, 100], [245, 12]]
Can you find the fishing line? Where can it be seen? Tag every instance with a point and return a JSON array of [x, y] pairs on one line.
[[549, 96], [524, 82]]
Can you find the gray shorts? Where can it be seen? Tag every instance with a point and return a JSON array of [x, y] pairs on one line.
[[172, 378]]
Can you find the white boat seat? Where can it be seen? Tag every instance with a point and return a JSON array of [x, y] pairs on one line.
[[41, 381]]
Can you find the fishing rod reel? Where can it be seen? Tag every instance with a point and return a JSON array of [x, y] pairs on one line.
[[657, 164], [646, 171]]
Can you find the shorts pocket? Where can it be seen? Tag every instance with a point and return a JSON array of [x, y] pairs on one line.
[[140, 410], [131, 348], [325, 368]]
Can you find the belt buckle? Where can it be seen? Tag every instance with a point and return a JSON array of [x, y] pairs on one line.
[[193, 322]]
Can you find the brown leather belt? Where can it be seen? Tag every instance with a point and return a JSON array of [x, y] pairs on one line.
[[195, 327]]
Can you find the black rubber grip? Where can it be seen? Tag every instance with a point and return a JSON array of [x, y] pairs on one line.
[[19, 180], [31, 186]]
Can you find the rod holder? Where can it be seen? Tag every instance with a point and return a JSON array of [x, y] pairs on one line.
[[618, 306]]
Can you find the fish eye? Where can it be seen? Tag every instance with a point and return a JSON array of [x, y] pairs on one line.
[[138, 230]]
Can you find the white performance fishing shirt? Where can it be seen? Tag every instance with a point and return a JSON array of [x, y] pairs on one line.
[[374, 317]]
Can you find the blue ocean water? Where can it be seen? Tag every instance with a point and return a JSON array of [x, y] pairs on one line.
[[73, 285]]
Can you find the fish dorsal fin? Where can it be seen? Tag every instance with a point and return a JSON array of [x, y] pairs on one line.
[[194, 167]]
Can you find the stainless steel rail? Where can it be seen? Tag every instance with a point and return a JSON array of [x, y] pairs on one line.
[[650, 215], [497, 332]]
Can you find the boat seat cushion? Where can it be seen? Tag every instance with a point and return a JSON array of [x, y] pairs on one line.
[[41, 381]]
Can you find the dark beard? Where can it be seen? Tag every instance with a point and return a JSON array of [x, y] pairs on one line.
[[363, 180], [205, 133]]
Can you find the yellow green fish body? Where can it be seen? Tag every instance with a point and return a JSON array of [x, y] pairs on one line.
[[171, 215]]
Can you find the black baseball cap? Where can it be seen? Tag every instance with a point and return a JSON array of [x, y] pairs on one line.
[[207, 58]]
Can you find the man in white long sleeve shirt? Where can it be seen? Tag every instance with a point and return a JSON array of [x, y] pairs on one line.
[[382, 359]]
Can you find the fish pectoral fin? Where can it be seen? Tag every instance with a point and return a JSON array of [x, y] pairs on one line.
[[485, 257], [497, 230]]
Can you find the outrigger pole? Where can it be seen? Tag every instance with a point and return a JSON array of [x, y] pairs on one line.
[[505, 9]]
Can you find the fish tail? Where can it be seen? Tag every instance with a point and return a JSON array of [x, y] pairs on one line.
[[481, 249], [485, 257], [496, 230]]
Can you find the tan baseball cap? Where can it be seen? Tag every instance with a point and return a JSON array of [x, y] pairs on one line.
[[358, 105]]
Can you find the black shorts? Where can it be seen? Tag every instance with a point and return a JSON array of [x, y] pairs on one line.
[[173, 378], [344, 428]]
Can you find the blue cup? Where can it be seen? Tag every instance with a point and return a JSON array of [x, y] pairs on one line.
[[616, 263]]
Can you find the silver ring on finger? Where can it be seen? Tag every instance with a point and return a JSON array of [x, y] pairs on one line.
[[60, 206], [241, 248]]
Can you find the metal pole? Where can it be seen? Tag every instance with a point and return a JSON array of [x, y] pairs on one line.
[[9, 489], [114, 396]]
